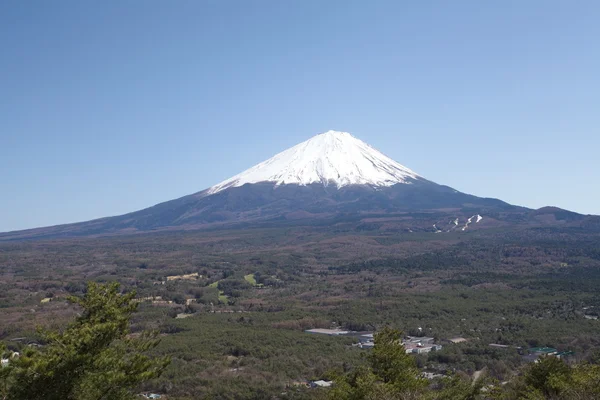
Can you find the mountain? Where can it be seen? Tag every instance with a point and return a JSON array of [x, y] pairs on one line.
[[331, 179], [331, 158]]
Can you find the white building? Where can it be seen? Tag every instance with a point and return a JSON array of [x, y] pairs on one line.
[[321, 383]]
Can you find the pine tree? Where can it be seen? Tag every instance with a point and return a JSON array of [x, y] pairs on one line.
[[390, 374], [94, 358]]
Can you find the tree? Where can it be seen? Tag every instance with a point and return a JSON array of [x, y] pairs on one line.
[[392, 365], [4, 372], [460, 388], [552, 378], [585, 383], [390, 373], [94, 358], [547, 377]]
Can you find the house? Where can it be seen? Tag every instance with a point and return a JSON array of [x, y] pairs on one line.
[[321, 383], [366, 337], [565, 354], [546, 351], [536, 352], [420, 348], [530, 358], [431, 375], [4, 362], [330, 332], [420, 345], [422, 340], [162, 302], [457, 340], [186, 277]]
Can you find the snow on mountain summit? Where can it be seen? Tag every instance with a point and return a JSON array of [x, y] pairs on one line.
[[331, 158]]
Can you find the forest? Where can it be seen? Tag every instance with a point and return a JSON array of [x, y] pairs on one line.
[[230, 308]]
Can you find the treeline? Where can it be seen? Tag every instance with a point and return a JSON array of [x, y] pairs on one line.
[[424, 262]]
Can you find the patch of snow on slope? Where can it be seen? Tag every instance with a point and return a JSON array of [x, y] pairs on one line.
[[468, 222], [455, 222], [332, 157], [479, 218]]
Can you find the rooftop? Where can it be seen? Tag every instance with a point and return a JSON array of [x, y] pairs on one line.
[[331, 332], [546, 350]]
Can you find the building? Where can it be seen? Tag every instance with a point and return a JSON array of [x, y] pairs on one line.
[[321, 384], [329, 332], [420, 348], [431, 375], [565, 354], [423, 340], [499, 346], [186, 277], [536, 352], [543, 351], [457, 340], [420, 345]]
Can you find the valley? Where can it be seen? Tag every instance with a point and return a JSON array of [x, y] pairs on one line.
[[330, 235], [250, 295]]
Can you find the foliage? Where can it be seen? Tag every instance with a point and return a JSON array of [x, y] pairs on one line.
[[250, 279], [93, 358], [552, 378], [529, 288], [585, 383], [548, 376], [391, 373], [459, 388]]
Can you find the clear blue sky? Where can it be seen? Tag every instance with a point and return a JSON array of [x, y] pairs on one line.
[[111, 106]]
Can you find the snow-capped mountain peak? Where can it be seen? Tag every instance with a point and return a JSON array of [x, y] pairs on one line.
[[331, 158]]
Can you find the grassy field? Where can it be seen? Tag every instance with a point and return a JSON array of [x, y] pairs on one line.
[[250, 279], [222, 297]]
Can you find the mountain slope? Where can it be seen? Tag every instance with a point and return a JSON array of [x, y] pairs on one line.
[[331, 178], [335, 158]]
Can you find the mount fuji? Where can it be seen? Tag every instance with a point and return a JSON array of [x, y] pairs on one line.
[[331, 158], [332, 179]]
